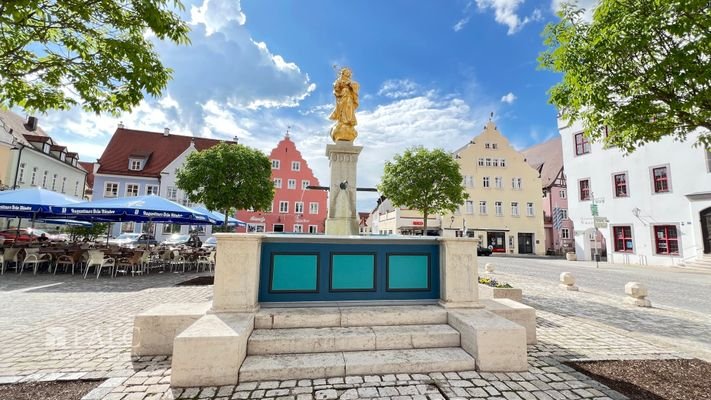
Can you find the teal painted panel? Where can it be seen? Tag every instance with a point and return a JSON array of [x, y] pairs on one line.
[[353, 271], [295, 272], [408, 272]]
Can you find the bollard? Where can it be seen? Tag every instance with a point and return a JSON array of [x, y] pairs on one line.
[[489, 268], [636, 294], [567, 282]]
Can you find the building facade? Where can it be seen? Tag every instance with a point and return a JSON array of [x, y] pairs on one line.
[[652, 206], [504, 205], [138, 163], [547, 159], [387, 219], [295, 208]]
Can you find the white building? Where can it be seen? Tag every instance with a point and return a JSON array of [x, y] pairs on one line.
[[657, 199]]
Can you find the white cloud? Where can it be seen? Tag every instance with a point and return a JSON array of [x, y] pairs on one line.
[[506, 13], [508, 98], [398, 88], [587, 5], [217, 14]]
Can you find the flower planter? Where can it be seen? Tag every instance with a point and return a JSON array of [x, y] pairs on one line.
[[570, 256], [488, 292]]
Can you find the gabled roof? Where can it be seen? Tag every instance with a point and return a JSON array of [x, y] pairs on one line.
[[89, 167], [160, 149], [16, 123], [547, 158]]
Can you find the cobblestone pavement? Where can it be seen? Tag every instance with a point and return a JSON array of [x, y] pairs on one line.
[[670, 287], [63, 328]]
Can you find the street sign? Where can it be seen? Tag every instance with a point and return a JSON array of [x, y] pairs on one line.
[[593, 210], [600, 222]]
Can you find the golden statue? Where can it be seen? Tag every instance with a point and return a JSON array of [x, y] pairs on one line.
[[346, 92]]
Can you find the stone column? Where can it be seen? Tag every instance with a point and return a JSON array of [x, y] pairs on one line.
[[458, 273], [237, 273], [342, 217]]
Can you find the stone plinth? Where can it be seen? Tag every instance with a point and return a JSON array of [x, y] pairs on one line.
[[459, 278], [636, 294], [236, 273], [567, 282], [155, 329], [342, 217]]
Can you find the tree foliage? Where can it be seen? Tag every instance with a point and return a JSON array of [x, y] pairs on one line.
[[228, 176], [641, 67], [93, 53], [425, 180], [89, 232]]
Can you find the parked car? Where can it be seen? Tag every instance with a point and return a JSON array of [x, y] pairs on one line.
[[483, 251], [209, 243], [176, 240], [133, 240], [26, 235]]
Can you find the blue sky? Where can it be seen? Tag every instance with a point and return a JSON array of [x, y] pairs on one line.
[[430, 72]]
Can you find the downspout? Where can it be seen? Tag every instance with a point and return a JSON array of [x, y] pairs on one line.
[[17, 166], [83, 190]]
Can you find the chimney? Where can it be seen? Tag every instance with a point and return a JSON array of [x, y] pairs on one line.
[[236, 139], [120, 125], [166, 132], [31, 123]]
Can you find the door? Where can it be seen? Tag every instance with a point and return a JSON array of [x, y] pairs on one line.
[[706, 229], [525, 243]]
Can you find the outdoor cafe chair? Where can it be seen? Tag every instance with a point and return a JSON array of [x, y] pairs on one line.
[[204, 263], [10, 257], [97, 260], [67, 261], [33, 259], [131, 263]]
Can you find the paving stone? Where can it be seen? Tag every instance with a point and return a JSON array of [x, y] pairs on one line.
[[326, 394]]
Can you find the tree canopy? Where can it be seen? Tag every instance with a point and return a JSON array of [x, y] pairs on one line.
[[93, 53], [641, 68], [228, 176], [425, 180]]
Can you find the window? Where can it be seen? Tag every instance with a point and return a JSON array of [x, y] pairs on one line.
[[582, 146], [291, 183], [499, 209], [495, 162], [21, 173], [516, 183], [487, 146], [469, 181], [486, 182], [565, 233], [270, 208], [502, 162], [76, 188], [481, 162], [275, 164], [620, 185], [33, 180], [482, 207], [283, 206], [127, 227], [44, 179], [313, 208], [135, 165], [494, 146], [488, 162], [296, 166], [305, 184], [562, 194], [54, 182], [313, 228], [111, 189], [661, 180], [64, 183], [469, 207], [666, 240], [623, 238], [277, 183], [298, 228], [563, 213], [151, 189], [529, 209], [172, 192], [584, 185], [497, 182], [131, 190], [171, 228], [299, 207], [514, 209]]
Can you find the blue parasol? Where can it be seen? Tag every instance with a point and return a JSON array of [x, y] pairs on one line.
[[219, 217], [31, 203]]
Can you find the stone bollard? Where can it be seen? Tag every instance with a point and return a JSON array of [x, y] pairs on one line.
[[636, 294], [489, 268], [567, 282]]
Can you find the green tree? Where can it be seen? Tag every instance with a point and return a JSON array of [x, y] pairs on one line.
[[93, 53], [425, 180], [228, 176], [88, 232], [641, 68]]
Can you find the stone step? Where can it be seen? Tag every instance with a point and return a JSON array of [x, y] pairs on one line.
[[335, 339], [320, 317], [326, 365]]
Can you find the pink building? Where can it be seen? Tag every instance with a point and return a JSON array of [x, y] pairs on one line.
[[547, 159], [295, 208]]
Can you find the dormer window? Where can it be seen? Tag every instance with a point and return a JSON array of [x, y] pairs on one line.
[[45, 148], [135, 165], [62, 156]]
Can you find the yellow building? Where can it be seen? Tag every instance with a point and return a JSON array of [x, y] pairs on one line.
[[504, 206]]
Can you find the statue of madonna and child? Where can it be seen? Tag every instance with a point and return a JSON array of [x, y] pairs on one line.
[[346, 92]]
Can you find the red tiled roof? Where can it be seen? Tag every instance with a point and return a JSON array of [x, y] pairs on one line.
[[56, 147], [89, 167], [162, 149], [546, 157], [36, 138]]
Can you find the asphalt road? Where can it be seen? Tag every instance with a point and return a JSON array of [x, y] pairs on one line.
[[670, 287]]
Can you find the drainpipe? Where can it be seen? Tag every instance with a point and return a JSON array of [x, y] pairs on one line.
[[17, 166]]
